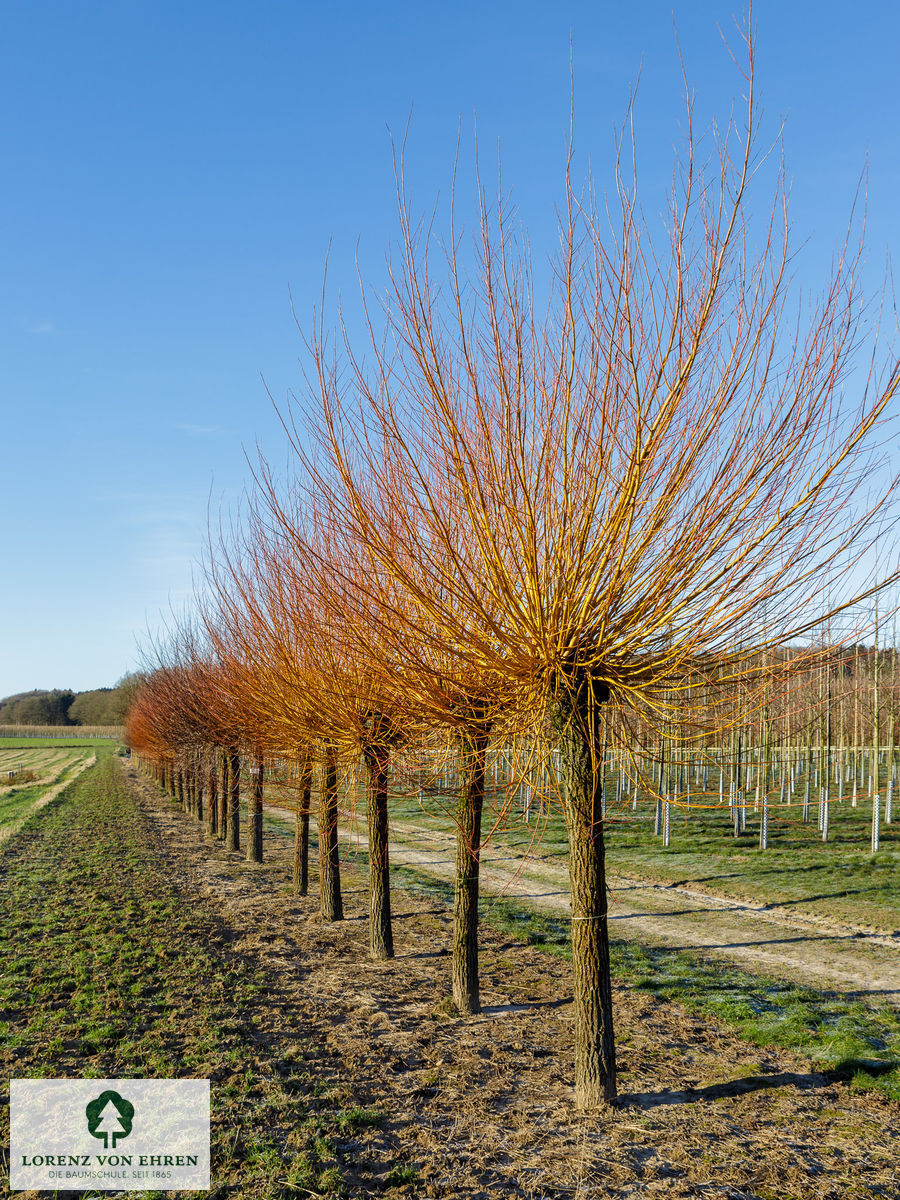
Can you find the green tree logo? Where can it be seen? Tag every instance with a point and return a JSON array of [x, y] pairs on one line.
[[109, 1116]]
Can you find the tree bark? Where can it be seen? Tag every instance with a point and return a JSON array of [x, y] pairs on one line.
[[381, 936], [329, 860], [199, 784], [468, 847], [224, 793], [233, 838], [577, 720], [301, 828], [255, 813], [212, 808], [179, 785]]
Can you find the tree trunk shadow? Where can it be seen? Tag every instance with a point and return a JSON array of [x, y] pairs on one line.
[[754, 1083]]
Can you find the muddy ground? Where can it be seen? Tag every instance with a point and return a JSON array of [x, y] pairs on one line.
[[482, 1107]]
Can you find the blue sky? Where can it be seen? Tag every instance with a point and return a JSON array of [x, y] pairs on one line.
[[173, 173]]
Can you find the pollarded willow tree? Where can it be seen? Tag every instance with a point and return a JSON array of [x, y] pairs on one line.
[[186, 714], [276, 596], [260, 665], [170, 721], [586, 498], [380, 667], [299, 569]]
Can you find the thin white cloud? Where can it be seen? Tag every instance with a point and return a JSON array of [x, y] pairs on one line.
[[143, 510], [202, 430], [42, 328]]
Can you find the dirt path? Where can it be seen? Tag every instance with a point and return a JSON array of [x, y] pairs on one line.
[[808, 950]]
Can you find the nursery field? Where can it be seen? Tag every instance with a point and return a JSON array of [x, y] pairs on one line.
[[802, 905], [132, 943], [59, 733], [836, 877], [11, 740], [839, 879], [854, 947]]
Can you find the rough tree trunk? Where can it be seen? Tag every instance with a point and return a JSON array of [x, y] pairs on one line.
[[468, 846], [576, 716], [301, 828], [329, 860], [381, 936], [233, 839], [224, 793], [199, 784], [212, 807], [179, 786], [255, 813]]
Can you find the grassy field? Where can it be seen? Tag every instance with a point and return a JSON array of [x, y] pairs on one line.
[[30, 771], [131, 945], [107, 973], [46, 763]]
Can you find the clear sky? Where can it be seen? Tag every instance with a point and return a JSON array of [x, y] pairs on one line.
[[173, 172]]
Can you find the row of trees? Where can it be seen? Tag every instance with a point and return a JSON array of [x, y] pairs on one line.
[[565, 522], [37, 708], [60, 706]]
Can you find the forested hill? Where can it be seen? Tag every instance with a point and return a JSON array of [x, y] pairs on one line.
[[102, 706]]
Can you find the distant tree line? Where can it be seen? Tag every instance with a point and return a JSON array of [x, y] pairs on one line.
[[60, 706]]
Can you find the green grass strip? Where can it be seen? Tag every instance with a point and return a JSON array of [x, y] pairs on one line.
[[106, 972]]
